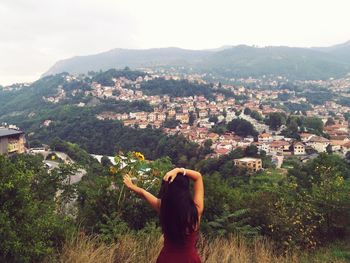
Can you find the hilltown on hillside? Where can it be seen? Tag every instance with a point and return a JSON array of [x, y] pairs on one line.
[[196, 116], [201, 109]]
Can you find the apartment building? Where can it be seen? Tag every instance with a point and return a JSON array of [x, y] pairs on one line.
[[252, 164], [11, 141]]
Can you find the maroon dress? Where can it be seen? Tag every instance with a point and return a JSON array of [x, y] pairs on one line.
[[174, 253]]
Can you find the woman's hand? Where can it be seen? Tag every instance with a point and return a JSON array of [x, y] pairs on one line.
[[151, 199], [128, 182], [170, 176]]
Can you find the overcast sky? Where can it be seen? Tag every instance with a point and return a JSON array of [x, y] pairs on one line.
[[34, 34]]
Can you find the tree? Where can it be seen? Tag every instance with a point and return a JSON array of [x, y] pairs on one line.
[[315, 124], [213, 119], [247, 111], [171, 123], [332, 113], [251, 151], [242, 127], [310, 173], [191, 118], [176, 88], [291, 129], [219, 128], [115, 93], [284, 96], [256, 115], [207, 146], [233, 223], [105, 161], [30, 223], [329, 148], [276, 120], [347, 156], [330, 121]]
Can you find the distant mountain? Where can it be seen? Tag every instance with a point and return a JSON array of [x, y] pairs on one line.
[[227, 61], [333, 48], [135, 58], [341, 51], [298, 63]]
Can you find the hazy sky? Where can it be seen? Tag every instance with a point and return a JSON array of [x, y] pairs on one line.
[[34, 34]]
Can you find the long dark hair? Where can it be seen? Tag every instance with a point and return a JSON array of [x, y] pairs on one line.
[[178, 212]]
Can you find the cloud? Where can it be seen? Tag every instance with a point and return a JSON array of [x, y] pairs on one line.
[[36, 33]]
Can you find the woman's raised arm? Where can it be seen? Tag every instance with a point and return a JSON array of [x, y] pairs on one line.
[[151, 199], [198, 188]]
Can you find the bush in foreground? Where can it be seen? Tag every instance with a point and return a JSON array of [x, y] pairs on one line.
[[30, 227]]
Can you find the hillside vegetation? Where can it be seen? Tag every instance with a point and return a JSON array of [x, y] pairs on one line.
[[303, 212]]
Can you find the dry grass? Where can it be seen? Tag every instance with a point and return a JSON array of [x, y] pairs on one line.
[[129, 249], [236, 249]]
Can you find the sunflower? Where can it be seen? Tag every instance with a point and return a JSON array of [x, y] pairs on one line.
[[112, 170], [139, 156]]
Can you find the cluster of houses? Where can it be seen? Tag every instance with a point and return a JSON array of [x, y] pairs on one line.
[[225, 109], [195, 115], [60, 95], [276, 146]]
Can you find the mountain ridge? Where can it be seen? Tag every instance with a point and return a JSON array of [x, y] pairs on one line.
[[236, 61]]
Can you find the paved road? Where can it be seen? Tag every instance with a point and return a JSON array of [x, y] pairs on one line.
[[74, 178]]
